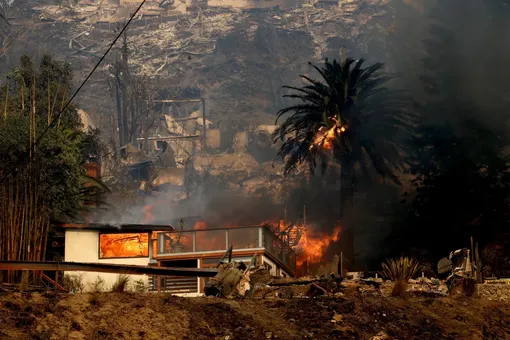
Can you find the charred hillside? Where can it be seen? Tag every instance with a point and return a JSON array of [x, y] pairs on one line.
[[237, 58]]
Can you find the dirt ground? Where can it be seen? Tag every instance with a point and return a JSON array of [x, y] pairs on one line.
[[352, 315]]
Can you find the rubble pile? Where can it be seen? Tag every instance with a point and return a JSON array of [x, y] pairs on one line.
[[166, 50], [179, 48], [242, 174], [236, 280], [304, 287], [257, 283]]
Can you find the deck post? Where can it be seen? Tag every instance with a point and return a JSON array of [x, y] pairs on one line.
[[159, 278]]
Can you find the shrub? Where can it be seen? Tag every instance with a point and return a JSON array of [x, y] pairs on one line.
[[74, 283], [140, 286], [98, 285], [94, 299], [400, 271], [120, 284]]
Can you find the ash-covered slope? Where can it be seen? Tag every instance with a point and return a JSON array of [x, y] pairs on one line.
[[238, 59], [354, 315]]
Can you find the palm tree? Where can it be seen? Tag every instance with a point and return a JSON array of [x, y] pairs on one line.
[[348, 117]]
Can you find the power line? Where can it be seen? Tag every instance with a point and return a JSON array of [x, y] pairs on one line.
[[57, 117]]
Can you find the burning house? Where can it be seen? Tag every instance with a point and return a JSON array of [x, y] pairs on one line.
[[164, 246], [126, 244]]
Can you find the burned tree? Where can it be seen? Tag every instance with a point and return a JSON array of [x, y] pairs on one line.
[[131, 97], [348, 119], [4, 26]]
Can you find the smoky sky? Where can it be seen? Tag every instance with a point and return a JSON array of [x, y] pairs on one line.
[[465, 46]]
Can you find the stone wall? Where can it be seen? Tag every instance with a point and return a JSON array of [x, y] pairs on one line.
[[494, 292]]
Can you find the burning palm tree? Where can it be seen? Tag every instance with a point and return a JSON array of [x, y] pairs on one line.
[[348, 117]]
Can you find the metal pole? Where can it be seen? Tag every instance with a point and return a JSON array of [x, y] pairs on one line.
[[204, 128], [159, 279], [341, 264], [478, 265], [471, 255], [285, 215]]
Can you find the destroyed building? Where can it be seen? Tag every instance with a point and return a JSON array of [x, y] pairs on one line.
[[163, 246]]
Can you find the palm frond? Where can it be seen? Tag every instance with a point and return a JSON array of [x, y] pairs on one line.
[[353, 95], [400, 269]]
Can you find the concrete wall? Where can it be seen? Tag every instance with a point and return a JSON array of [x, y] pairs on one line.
[[83, 246]]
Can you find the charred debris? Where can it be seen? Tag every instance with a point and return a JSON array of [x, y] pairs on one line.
[[460, 273], [180, 51]]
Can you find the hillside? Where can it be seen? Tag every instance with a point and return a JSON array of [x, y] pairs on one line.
[[352, 315], [237, 59]]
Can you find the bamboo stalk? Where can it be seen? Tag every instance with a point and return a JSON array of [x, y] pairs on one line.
[[6, 98], [64, 99], [55, 101], [49, 103], [22, 95], [24, 218]]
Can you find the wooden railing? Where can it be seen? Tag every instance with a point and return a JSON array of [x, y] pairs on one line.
[[53, 283]]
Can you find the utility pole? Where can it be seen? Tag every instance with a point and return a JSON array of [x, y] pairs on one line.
[[120, 120], [204, 125], [125, 88]]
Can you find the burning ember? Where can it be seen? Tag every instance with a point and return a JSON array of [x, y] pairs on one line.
[[312, 246], [326, 136]]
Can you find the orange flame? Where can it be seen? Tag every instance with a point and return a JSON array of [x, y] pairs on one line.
[[276, 225], [124, 245], [200, 225], [312, 246], [326, 136]]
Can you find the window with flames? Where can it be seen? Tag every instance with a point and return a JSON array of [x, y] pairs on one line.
[[123, 245]]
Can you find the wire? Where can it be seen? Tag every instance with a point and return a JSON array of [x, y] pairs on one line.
[[57, 117]]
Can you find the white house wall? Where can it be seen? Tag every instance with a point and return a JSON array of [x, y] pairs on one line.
[[83, 246]]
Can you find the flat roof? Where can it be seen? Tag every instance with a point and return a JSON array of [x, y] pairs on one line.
[[117, 228]]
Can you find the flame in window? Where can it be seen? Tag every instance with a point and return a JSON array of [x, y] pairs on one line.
[[124, 245]]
